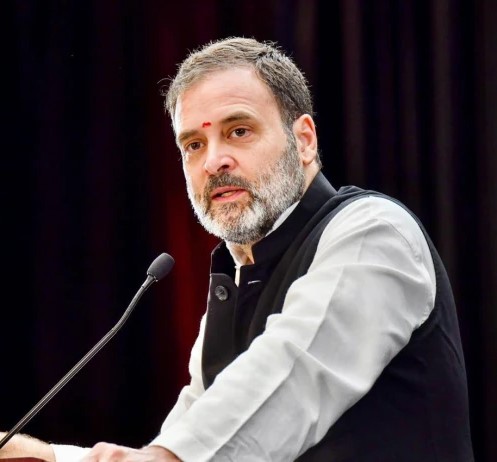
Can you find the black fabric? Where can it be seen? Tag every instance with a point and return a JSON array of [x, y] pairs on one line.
[[416, 411], [230, 334]]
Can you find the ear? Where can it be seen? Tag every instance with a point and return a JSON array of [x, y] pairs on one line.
[[305, 135]]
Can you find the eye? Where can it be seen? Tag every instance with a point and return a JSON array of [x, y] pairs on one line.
[[193, 146], [239, 132], [190, 149]]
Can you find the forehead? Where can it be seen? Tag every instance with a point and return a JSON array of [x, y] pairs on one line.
[[221, 92]]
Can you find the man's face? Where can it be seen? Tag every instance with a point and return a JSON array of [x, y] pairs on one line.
[[242, 168]]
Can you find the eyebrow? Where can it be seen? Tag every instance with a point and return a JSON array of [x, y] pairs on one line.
[[238, 116], [185, 135]]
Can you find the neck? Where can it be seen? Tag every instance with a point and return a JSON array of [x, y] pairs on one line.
[[242, 253]]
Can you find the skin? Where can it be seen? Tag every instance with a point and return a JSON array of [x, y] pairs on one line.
[[245, 133], [26, 446], [228, 122], [106, 452]]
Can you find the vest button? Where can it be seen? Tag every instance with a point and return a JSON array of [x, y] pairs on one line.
[[221, 293]]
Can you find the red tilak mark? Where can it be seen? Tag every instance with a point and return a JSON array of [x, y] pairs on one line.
[[206, 124]]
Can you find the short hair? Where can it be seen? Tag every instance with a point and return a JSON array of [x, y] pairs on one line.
[[277, 70]]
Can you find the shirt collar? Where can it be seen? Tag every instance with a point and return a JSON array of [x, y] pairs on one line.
[[239, 257]]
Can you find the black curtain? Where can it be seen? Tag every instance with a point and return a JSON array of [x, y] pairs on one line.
[[405, 96]]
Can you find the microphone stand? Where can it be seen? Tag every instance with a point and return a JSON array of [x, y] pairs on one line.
[[157, 270]]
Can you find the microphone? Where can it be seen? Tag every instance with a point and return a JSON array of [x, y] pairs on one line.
[[159, 268]]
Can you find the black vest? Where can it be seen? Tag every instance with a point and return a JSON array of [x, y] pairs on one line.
[[417, 410]]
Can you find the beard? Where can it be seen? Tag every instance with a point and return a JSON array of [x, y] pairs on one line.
[[275, 189]]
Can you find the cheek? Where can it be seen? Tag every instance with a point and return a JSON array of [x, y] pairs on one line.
[[193, 178]]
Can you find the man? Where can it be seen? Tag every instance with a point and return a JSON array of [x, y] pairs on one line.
[[331, 332]]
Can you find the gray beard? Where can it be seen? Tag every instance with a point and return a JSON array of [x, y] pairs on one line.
[[276, 188]]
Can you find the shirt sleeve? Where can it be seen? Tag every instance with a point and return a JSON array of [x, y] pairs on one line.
[[68, 453], [370, 285], [189, 393]]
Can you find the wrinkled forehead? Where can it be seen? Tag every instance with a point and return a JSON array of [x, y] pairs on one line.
[[207, 97]]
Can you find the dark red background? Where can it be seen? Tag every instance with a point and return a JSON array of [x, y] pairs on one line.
[[405, 94]]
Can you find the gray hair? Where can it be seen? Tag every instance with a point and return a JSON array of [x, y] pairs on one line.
[[286, 82]]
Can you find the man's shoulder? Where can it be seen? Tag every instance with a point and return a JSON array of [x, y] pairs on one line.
[[374, 205], [373, 211]]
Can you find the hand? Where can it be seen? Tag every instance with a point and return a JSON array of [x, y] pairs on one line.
[[106, 452], [26, 446]]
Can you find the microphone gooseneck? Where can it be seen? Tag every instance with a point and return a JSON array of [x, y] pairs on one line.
[[159, 268]]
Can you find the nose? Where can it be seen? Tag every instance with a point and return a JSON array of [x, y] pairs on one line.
[[219, 159]]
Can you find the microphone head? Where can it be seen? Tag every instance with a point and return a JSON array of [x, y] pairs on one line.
[[161, 266]]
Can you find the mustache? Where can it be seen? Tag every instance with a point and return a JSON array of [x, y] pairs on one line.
[[226, 179]]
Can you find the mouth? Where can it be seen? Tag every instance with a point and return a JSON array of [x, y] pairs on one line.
[[227, 193]]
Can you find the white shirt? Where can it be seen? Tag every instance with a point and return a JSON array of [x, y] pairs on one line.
[[370, 285]]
